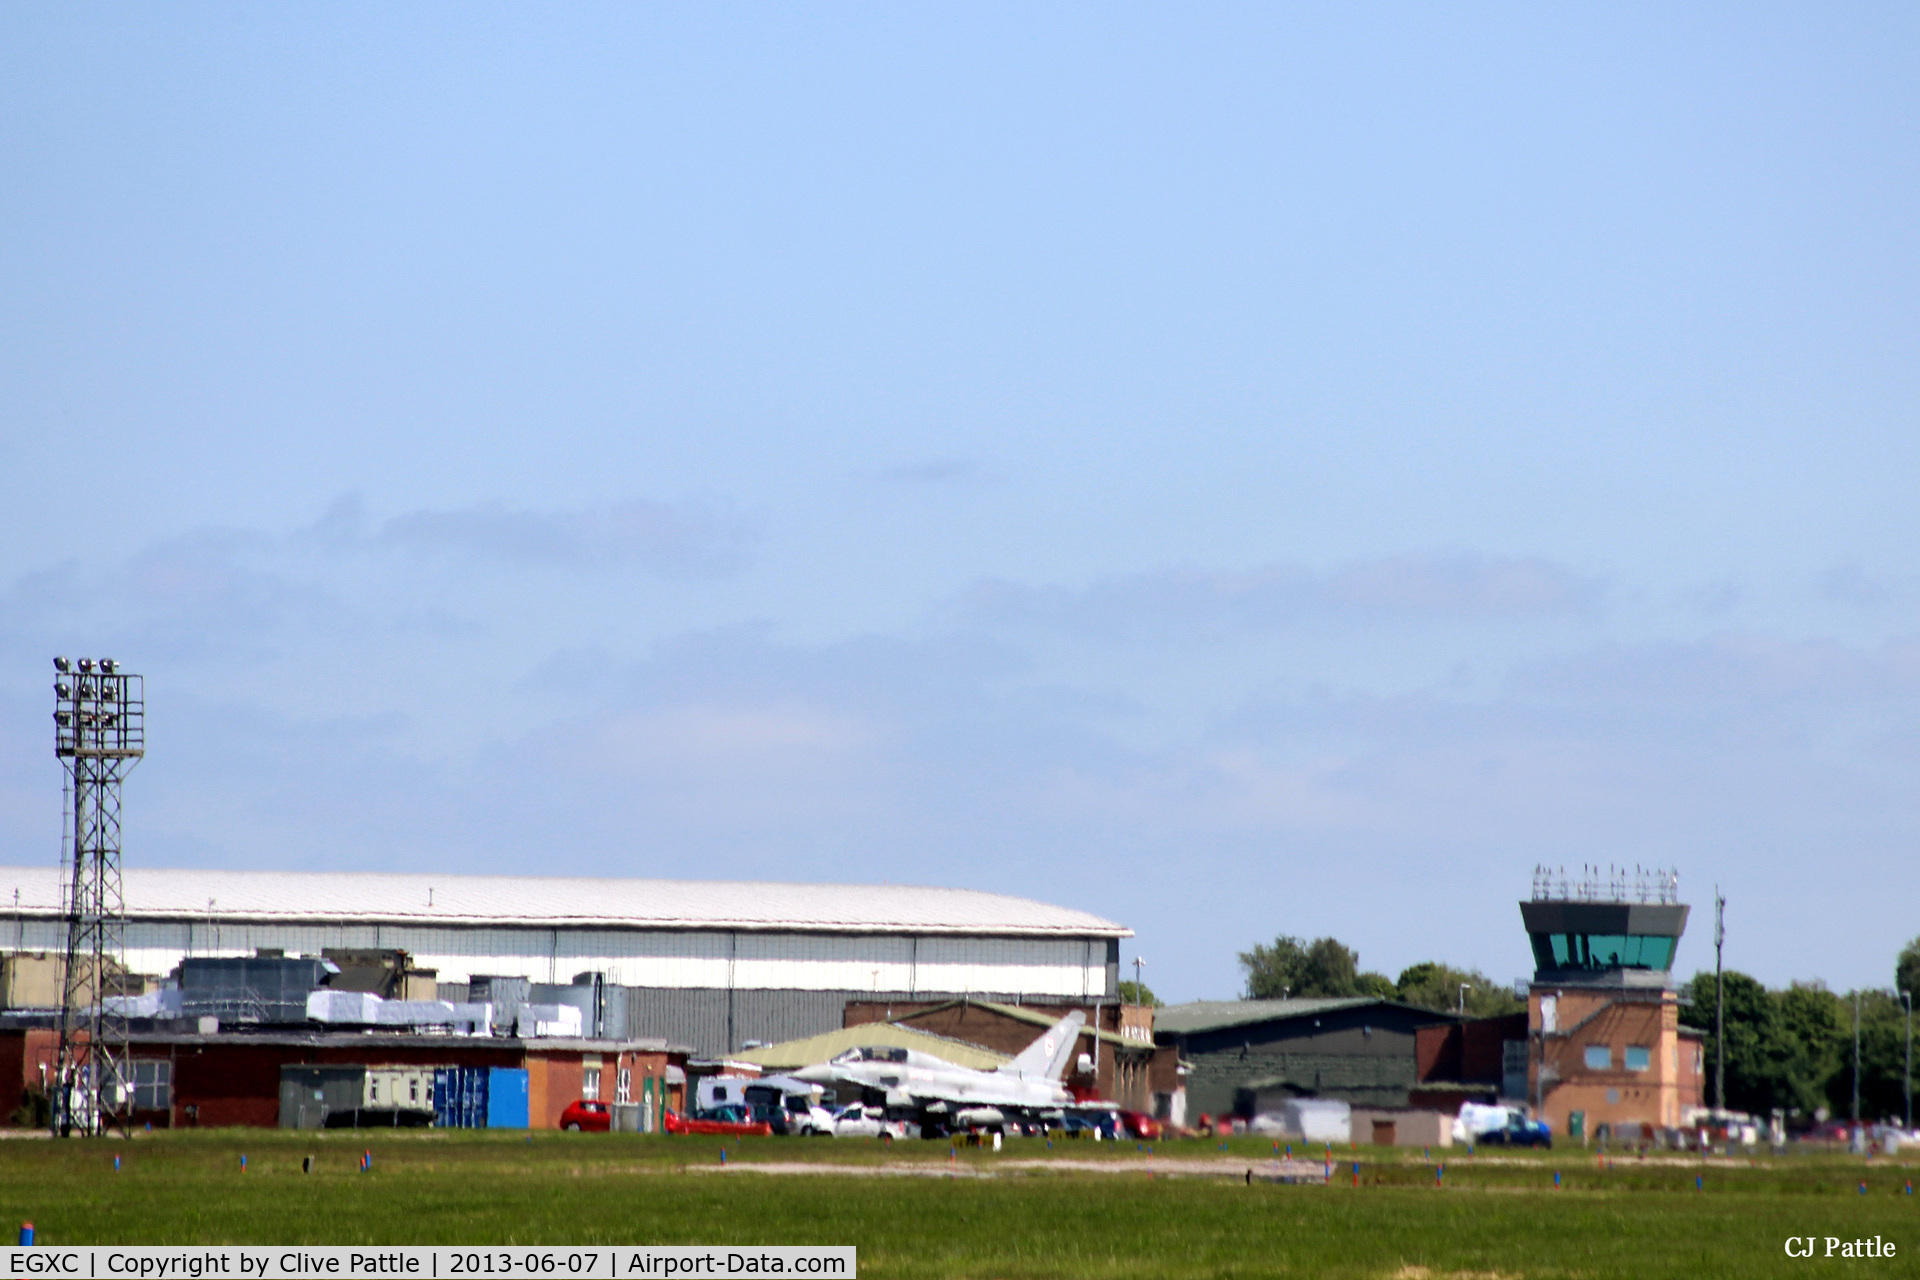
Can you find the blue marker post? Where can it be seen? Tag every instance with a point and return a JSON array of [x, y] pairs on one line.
[[243, 1162], [26, 1233], [723, 1155], [1556, 1179], [116, 1164], [1356, 1175], [1439, 1172], [1863, 1188], [1696, 1182]]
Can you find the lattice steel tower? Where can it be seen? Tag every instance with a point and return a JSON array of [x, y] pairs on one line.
[[99, 735]]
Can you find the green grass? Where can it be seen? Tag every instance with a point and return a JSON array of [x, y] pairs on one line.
[[1492, 1213]]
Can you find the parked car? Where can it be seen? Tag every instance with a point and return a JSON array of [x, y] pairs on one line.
[[810, 1118], [1140, 1125], [588, 1116], [862, 1121], [1090, 1123], [1517, 1133], [727, 1120], [790, 1110]]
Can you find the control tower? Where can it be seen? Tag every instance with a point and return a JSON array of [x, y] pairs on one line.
[[1607, 1056]]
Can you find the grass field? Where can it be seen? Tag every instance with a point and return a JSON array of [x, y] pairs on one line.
[[1028, 1211]]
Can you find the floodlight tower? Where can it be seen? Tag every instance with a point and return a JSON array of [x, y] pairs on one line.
[[99, 734]]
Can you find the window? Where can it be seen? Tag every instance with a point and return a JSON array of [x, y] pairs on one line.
[[1602, 951], [623, 1091], [152, 1085], [1599, 1057], [1639, 1057], [590, 1082]]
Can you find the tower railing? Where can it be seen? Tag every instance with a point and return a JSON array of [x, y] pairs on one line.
[[1654, 885]]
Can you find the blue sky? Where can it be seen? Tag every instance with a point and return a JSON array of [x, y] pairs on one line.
[[1239, 470]]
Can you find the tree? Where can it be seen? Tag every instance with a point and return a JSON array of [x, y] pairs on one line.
[[1437, 986], [1813, 1031], [1378, 985], [1757, 1067], [1906, 970], [1275, 972], [1292, 967], [1132, 992]]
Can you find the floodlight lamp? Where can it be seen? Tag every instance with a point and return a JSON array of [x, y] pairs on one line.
[[61, 664], [61, 690], [63, 719], [109, 666], [86, 665]]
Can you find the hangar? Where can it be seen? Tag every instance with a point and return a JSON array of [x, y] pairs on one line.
[[711, 964]]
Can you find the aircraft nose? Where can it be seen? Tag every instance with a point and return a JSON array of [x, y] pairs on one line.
[[819, 1073]]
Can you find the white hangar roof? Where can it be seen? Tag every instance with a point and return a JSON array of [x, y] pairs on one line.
[[314, 897]]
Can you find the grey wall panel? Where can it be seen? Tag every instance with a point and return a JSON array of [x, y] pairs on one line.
[[695, 1016], [774, 1016], [715, 1022]]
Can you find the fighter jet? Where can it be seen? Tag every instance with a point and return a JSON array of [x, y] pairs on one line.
[[944, 1096]]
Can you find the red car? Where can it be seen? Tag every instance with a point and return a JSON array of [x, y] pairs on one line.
[[724, 1120], [1140, 1125], [592, 1117]]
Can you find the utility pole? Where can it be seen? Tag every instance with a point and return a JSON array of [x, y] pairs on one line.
[[1906, 998], [1464, 988], [1856, 1060], [1138, 989], [1719, 1002]]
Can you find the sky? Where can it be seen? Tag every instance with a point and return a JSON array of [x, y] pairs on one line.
[[1239, 470]]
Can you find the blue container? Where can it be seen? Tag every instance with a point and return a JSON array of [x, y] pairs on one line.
[[459, 1097], [480, 1098], [507, 1098]]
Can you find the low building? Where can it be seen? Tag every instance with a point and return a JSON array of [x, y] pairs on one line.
[[1478, 1060], [191, 1080], [1245, 1057]]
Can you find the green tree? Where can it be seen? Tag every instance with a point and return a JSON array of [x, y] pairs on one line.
[[1906, 970], [1292, 967], [1432, 985], [1132, 992], [1812, 1031], [1757, 1067], [1375, 984]]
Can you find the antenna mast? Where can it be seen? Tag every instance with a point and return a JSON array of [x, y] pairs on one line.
[[1719, 1003]]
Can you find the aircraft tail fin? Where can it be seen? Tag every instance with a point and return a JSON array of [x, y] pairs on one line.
[[1047, 1057]]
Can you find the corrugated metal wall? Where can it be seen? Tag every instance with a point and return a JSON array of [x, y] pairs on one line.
[[679, 1015]]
